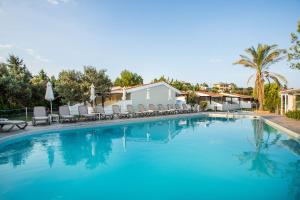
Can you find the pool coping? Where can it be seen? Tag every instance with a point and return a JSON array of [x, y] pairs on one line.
[[281, 128], [70, 126]]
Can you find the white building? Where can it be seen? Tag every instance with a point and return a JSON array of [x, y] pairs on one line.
[[224, 101], [290, 100], [154, 93]]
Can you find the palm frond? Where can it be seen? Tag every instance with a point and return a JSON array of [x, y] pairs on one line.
[[274, 57], [246, 63], [277, 78], [249, 79]]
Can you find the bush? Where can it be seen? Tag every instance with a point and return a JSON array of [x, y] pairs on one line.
[[293, 114], [191, 99], [272, 99], [203, 105]]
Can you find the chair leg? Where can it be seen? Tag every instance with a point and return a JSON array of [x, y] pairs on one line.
[[22, 127]]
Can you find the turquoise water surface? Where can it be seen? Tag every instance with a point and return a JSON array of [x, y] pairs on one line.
[[187, 158]]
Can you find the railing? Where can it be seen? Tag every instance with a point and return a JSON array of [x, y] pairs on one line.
[[25, 113]]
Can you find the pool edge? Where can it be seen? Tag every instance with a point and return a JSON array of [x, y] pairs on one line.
[[8, 138]]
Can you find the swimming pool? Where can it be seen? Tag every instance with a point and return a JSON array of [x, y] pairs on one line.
[[184, 158]]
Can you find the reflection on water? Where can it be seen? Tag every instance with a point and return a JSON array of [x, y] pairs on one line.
[[91, 147], [16, 153], [264, 137], [94, 146], [294, 180]]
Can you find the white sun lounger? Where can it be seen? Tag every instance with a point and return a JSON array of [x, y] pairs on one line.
[[40, 115], [64, 114], [117, 112], [11, 124], [83, 112], [99, 110]]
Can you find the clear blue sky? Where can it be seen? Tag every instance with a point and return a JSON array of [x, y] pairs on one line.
[[195, 41]]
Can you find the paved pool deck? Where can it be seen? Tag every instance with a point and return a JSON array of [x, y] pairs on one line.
[[283, 123]]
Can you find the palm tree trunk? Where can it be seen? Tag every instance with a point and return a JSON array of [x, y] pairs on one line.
[[259, 82]]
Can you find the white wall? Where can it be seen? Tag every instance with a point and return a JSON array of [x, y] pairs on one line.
[[290, 102], [158, 95], [223, 107]]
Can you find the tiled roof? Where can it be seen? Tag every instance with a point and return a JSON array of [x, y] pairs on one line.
[[119, 90], [237, 95], [290, 91]]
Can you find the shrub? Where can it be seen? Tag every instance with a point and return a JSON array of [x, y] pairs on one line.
[[272, 99], [203, 105], [191, 99], [293, 114]]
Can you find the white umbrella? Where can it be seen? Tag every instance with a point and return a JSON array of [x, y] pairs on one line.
[[124, 98], [49, 96], [93, 95], [124, 94], [170, 95], [148, 94]]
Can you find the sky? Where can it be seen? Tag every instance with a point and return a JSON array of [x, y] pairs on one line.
[[190, 40]]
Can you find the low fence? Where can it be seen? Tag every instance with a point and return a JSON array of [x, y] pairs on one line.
[[25, 113]]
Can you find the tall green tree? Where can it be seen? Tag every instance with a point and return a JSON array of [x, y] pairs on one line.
[[101, 81], [5, 81], [69, 86], [15, 88], [260, 59], [128, 78], [294, 50]]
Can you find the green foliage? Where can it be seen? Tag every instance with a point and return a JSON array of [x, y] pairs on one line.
[[69, 86], [191, 98], [19, 89], [38, 88], [128, 78], [100, 80], [260, 59], [234, 88], [162, 79], [244, 91], [183, 86], [73, 86], [204, 84], [294, 50], [180, 85], [272, 99], [203, 105], [15, 88], [293, 114], [214, 89]]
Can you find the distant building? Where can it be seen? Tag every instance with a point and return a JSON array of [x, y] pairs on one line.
[[154, 93], [290, 100], [223, 87], [203, 88], [224, 101]]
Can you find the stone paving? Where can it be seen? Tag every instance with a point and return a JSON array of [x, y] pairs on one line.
[[291, 124]]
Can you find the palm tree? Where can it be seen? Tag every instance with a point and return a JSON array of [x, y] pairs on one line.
[[260, 59]]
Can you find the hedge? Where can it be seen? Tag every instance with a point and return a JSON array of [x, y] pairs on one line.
[[293, 114]]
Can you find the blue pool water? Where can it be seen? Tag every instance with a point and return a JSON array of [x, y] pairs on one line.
[[188, 158]]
